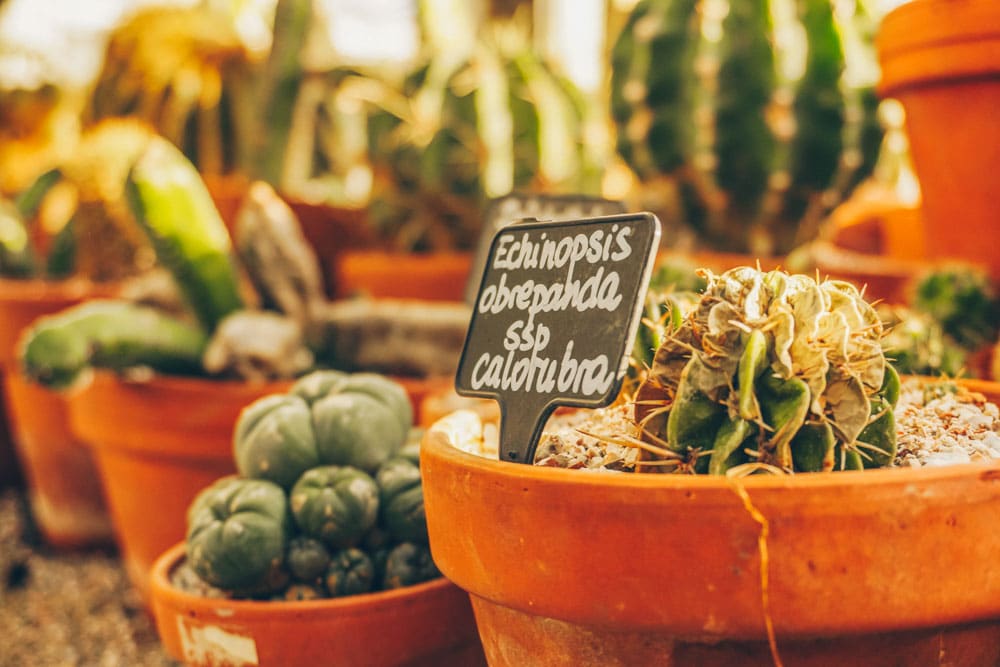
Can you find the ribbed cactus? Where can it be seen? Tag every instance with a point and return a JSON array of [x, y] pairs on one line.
[[745, 119], [498, 121], [772, 369]]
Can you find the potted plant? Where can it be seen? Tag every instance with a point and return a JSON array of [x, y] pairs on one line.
[[939, 60], [769, 373], [211, 353], [322, 537], [69, 238]]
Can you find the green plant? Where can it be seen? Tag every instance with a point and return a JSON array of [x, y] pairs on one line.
[[773, 370], [408, 564], [336, 505], [964, 301], [237, 530], [401, 504], [737, 128], [351, 572], [916, 344], [307, 559]]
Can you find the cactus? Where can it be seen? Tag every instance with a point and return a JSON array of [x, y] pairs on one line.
[[307, 559], [915, 344], [740, 140], [963, 300], [351, 572], [401, 504], [773, 370], [408, 564], [257, 345], [173, 207], [57, 349], [274, 440], [458, 134], [237, 533], [336, 505]]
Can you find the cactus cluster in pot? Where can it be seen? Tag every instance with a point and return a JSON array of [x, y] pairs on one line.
[[328, 500], [772, 371], [745, 120]]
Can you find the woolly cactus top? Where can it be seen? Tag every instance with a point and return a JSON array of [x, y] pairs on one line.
[[776, 369]]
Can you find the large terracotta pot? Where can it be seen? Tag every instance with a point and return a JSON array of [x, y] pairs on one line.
[[440, 276], [158, 444], [63, 488], [427, 625], [941, 59], [885, 567]]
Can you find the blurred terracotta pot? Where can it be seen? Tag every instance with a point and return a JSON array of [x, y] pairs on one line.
[[427, 625], [158, 444], [941, 60], [881, 567], [63, 486], [439, 276]]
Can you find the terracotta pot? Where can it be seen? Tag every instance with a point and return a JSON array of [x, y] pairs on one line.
[[158, 444], [435, 276], [882, 567], [426, 625], [941, 60], [65, 496]]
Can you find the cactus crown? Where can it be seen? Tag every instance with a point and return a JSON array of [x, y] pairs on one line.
[[775, 369]]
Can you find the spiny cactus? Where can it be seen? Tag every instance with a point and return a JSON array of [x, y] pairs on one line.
[[964, 301], [916, 344], [775, 370], [745, 119], [499, 121]]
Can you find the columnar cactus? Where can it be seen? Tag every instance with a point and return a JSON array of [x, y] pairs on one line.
[[772, 369], [748, 118]]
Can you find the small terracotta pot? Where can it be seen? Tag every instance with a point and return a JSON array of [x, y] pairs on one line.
[[435, 276], [941, 60], [881, 567], [158, 444], [63, 487], [426, 625]]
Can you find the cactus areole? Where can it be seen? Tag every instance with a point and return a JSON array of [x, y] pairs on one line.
[[772, 371], [746, 119], [558, 307]]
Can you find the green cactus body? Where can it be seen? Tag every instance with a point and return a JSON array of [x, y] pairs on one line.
[[236, 534], [57, 349], [363, 424], [306, 559], [775, 369], [351, 572], [173, 206], [963, 300], [401, 503], [274, 440], [300, 592], [336, 505], [318, 384], [915, 344], [17, 258], [753, 116], [408, 564]]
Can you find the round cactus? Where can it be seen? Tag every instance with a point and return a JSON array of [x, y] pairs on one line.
[[772, 369], [351, 572], [747, 120], [274, 440], [336, 505], [401, 502], [307, 559], [236, 534], [409, 564]]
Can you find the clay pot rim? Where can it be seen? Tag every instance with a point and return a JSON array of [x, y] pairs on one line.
[[436, 443], [248, 610], [181, 383], [927, 41]]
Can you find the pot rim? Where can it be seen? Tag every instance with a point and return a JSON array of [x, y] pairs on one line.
[[74, 288], [438, 444], [162, 590], [926, 41]]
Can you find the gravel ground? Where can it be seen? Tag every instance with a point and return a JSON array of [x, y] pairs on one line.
[[67, 609]]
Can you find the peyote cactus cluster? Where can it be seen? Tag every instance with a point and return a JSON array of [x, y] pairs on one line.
[[774, 370], [745, 120], [328, 502]]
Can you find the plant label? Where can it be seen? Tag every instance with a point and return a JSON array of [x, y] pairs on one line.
[[554, 318], [524, 206]]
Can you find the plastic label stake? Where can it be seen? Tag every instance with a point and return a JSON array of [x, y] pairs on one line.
[[553, 322]]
